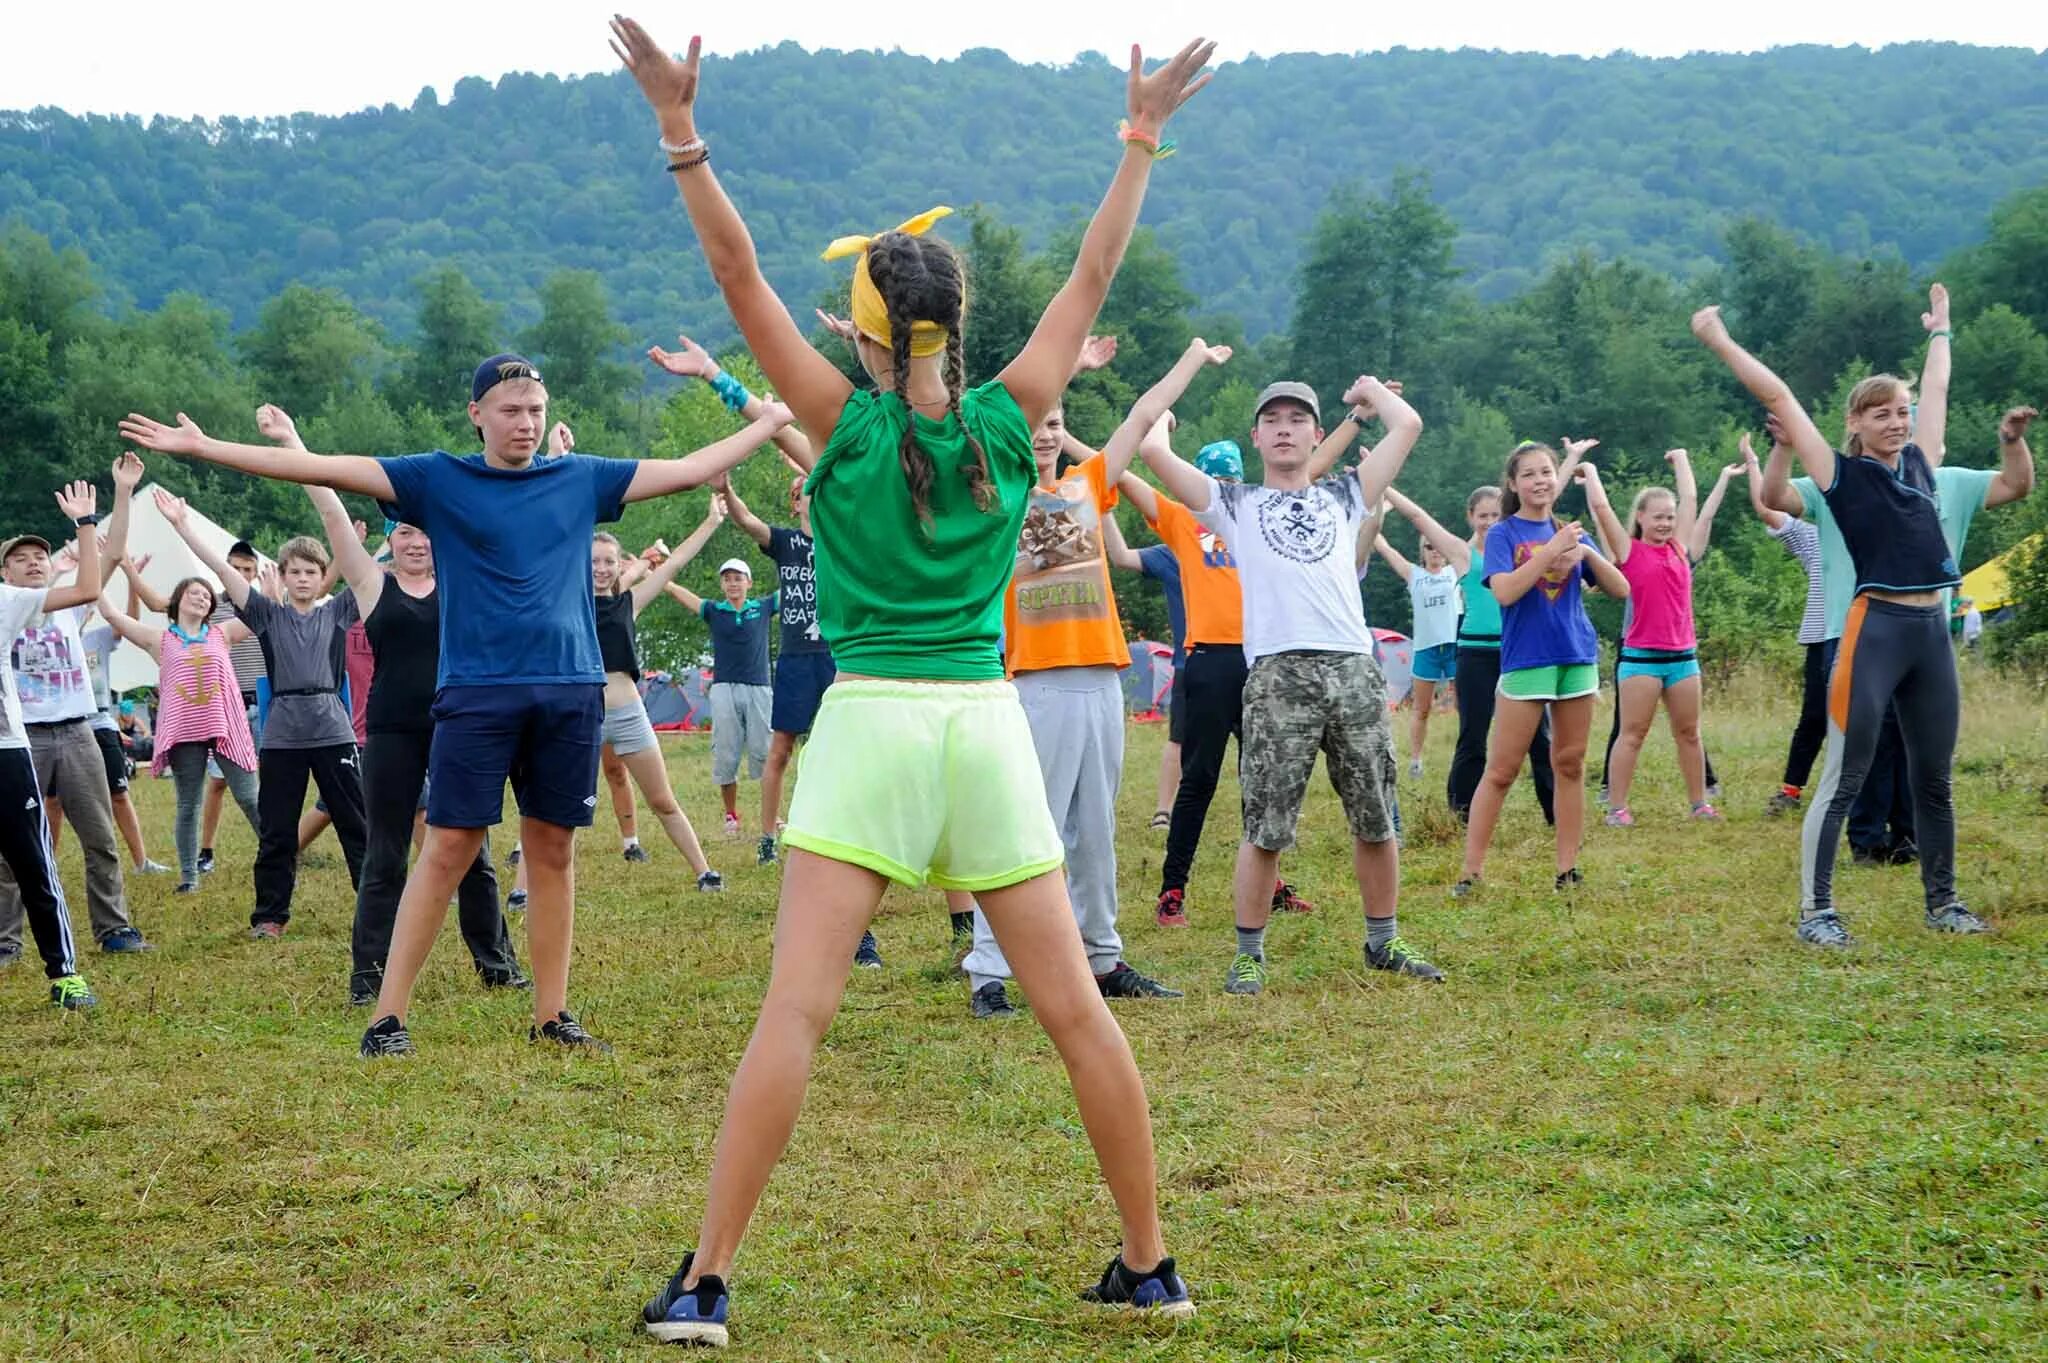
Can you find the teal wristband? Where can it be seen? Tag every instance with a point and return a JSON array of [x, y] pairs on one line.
[[730, 391], [1945, 333]]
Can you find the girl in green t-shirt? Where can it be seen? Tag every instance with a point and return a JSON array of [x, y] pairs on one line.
[[920, 767]]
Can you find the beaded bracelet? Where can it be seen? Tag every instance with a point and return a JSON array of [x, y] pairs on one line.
[[731, 392], [699, 159], [1128, 134]]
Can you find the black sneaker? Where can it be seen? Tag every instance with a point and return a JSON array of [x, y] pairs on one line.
[[637, 854], [564, 1030], [710, 883], [206, 861], [1396, 957], [514, 978], [1570, 880], [1126, 983], [1780, 805], [992, 1001], [186, 887], [386, 1038], [516, 902], [764, 851], [1904, 852], [693, 1315], [1160, 1291], [1466, 887], [1869, 856], [363, 993], [868, 956]]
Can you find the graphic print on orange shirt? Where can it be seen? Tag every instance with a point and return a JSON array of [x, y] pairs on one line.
[[1060, 611], [1551, 582]]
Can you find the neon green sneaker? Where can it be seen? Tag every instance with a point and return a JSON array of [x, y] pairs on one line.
[[1247, 975], [71, 993]]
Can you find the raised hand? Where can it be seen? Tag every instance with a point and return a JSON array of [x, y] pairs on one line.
[[561, 439], [691, 361], [1096, 353], [844, 329], [141, 562], [65, 559], [1578, 449], [183, 438], [77, 499], [775, 414], [1775, 429], [1677, 457], [1708, 326], [1211, 354], [267, 581], [717, 511], [656, 553], [2012, 427], [1151, 100], [1565, 540], [362, 531], [128, 471], [1739, 469], [277, 425], [1936, 316], [669, 85], [172, 509]]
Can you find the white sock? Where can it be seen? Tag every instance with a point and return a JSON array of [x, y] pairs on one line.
[[630, 843]]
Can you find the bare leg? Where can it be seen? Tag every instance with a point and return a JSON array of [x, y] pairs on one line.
[[53, 814], [650, 771], [312, 824], [614, 769], [1251, 888], [1638, 703], [1570, 722], [1514, 725], [419, 832], [1378, 868], [421, 910], [1169, 775], [1682, 707], [731, 795], [781, 748], [209, 816], [1418, 726], [131, 827], [550, 863]]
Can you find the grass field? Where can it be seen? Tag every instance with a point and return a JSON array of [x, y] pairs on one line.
[[1644, 1124]]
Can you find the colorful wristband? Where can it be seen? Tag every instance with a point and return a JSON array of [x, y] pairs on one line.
[[1160, 150], [731, 392]]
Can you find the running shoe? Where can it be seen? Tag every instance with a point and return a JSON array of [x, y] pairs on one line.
[[1714, 791], [123, 940], [1780, 805], [564, 1030], [1904, 852], [710, 883], [516, 902], [992, 1001], [1620, 818], [732, 825], [764, 850], [688, 1315], [1705, 812], [1162, 819], [516, 853], [868, 955], [637, 855], [1956, 918], [1824, 930], [150, 868], [385, 1039], [1126, 983], [1466, 887], [1247, 974], [206, 861], [1569, 880], [1604, 801], [1285, 900], [70, 993], [361, 994], [9, 956], [1869, 856], [266, 932], [1173, 909], [513, 978], [1396, 958], [1415, 769], [1160, 1291], [186, 887]]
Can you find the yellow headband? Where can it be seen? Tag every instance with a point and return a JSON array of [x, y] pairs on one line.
[[870, 313]]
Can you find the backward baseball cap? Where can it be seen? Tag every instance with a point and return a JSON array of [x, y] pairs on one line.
[[1288, 390]]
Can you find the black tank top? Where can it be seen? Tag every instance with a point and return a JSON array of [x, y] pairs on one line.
[[1891, 524], [618, 638], [405, 634]]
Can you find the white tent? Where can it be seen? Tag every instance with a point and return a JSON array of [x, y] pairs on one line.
[[170, 563]]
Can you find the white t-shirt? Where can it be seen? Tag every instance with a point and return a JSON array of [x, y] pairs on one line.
[[1434, 597], [18, 606], [1296, 552], [50, 669]]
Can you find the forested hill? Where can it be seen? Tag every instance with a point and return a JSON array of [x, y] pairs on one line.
[[1906, 148]]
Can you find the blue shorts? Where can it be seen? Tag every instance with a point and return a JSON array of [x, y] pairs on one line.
[[1437, 663], [800, 682], [543, 739], [1669, 668]]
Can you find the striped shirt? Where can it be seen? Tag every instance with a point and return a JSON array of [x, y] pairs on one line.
[[246, 654], [197, 701], [1801, 540]]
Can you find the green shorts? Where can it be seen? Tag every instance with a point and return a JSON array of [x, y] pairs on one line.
[[926, 784], [1565, 681]]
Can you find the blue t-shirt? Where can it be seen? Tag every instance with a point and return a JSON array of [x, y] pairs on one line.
[[1549, 626], [512, 560], [1158, 562], [739, 639]]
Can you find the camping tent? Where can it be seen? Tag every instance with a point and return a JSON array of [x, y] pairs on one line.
[[678, 702], [1987, 583], [1148, 679], [170, 562], [1395, 655]]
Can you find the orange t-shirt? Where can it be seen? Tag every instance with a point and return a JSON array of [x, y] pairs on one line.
[[1060, 611], [1209, 588]]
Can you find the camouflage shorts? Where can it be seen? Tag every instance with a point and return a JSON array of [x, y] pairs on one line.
[[1295, 704]]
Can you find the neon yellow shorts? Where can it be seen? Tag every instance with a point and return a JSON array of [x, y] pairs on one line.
[[926, 784]]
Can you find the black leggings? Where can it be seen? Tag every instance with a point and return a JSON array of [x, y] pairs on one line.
[[1478, 679], [1811, 733], [1212, 694], [281, 775]]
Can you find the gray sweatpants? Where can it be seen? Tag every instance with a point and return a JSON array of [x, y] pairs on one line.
[[1076, 716], [69, 766], [739, 723]]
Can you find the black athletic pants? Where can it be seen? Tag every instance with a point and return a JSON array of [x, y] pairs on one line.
[[1882, 817], [1478, 679], [25, 844], [1212, 686], [1811, 733], [394, 773], [280, 797]]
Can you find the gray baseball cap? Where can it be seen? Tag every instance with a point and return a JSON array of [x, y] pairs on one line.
[[1289, 390]]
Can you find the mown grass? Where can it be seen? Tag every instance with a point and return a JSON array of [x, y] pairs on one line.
[[1641, 1124]]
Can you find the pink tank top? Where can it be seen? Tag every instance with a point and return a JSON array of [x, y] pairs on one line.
[[199, 701]]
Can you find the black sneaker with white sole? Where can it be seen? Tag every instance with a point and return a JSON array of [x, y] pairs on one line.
[[565, 1031], [1825, 930], [688, 1315], [1159, 1291], [868, 956], [1126, 983], [992, 1001], [386, 1038], [1396, 958]]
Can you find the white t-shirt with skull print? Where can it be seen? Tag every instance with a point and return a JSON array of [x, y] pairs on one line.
[[1296, 562]]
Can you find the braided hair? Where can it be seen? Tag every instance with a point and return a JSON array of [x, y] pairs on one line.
[[921, 280]]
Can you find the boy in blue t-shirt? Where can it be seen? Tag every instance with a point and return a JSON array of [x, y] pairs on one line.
[[521, 683], [742, 695]]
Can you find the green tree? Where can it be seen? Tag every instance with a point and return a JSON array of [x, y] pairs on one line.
[[455, 330], [576, 342], [309, 345]]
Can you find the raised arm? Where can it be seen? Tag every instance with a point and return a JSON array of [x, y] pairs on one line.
[[658, 581], [1606, 576], [1186, 483], [1688, 492], [351, 560], [1377, 471], [1342, 434], [2015, 461], [757, 530], [1455, 550], [114, 536], [660, 477], [1140, 493], [233, 583], [1120, 553], [77, 502], [1930, 419], [1614, 536], [1156, 404], [1773, 518], [141, 591], [1395, 560], [694, 361], [145, 637], [1703, 524], [1805, 439], [343, 472], [1040, 372]]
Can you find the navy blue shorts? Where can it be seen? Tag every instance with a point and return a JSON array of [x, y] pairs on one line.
[[543, 739], [800, 682]]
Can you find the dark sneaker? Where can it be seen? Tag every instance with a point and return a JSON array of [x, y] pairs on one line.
[[1780, 805], [123, 940], [362, 992], [1824, 930], [186, 887], [1398, 958], [637, 855], [516, 902], [1869, 856], [10, 956], [266, 932], [515, 978], [385, 1039], [1173, 909], [1956, 918], [1569, 880], [1285, 900], [513, 858], [1902, 853], [564, 1030], [1466, 887], [992, 1001], [868, 956], [71, 994], [710, 883], [688, 1315], [1160, 1291], [1126, 983], [764, 851], [1247, 975], [206, 861]]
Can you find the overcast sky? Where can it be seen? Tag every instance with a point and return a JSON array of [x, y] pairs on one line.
[[240, 57]]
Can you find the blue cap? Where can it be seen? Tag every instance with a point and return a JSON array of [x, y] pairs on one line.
[[1221, 459], [496, 370]]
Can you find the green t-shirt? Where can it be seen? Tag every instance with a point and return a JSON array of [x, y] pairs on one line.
[[1958, 496], [1837, 570], [1479, 627], [898, 597]]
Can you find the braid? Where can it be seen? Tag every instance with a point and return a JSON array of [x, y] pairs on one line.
[[894, 264], [979, 481]]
